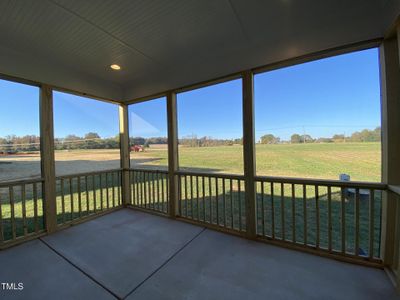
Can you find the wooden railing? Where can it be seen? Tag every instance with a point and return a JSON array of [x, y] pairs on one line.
[[215, 199], [394, 264], [82, 195], [149, 189], [21, 210], [327, 215]]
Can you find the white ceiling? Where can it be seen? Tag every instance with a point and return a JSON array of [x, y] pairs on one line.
[[162, 45]]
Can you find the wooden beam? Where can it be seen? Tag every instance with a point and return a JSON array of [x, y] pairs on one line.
[[390, 78], [172, 154], [47, 158], [249, 153], [124, 153]]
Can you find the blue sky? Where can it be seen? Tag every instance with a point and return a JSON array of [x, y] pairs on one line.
[[335, 95], [148, 119], [72, 114], [78, 115], [19, 113]]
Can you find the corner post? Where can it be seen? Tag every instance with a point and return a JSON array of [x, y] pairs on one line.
[[249, 153], [390, 78], [124, 152], [172, 154], [47, 158]]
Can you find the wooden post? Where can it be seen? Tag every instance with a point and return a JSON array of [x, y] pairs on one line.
[[390, 85], [172, 154], [124, 152], [249, 153], [47, 158]]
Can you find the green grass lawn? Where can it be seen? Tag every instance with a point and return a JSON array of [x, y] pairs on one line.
[[362, 161], [76, 201], [278, 214]]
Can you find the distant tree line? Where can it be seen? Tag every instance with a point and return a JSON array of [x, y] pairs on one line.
[[14, 143], [194, 141], [28, 143], [365, 135], [148, 141], [92, 140]]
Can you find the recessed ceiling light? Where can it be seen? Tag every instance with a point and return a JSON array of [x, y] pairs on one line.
[[115, 67]]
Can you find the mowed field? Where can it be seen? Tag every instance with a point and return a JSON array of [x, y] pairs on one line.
[[362, 161]]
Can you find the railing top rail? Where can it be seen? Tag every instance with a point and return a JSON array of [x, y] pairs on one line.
[[394, 189], [88, 173], [149, 170], [307, 181], [214, 175], [20, 182], [324, 182]]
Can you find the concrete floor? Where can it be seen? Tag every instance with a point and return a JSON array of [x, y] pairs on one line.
[[133, 255]]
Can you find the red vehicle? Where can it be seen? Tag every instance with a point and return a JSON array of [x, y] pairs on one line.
[[137, 148]]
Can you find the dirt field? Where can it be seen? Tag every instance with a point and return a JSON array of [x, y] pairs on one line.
[[67, 162]]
